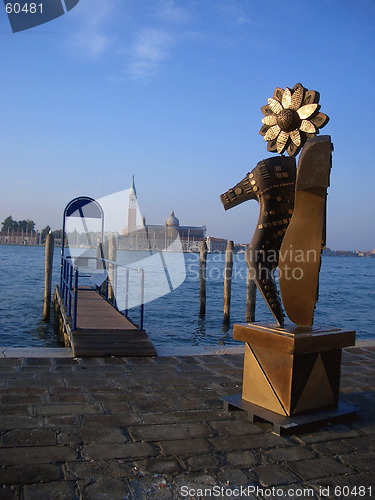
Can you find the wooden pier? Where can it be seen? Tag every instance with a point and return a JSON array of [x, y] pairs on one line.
[[101, 329]]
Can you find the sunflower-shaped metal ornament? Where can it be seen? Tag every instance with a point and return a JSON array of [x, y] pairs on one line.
[[290, 118]]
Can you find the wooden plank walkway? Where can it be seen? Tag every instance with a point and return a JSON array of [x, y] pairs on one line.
[[104, 331]]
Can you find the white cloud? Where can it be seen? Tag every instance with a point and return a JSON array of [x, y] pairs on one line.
[[233, 13], [90, 38], [150, 49], [168, 11]]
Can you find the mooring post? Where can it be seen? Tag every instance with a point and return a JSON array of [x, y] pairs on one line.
[[112, 256], [251, 290], [202, 278], [228, 280], [100, 254], [48, 276]]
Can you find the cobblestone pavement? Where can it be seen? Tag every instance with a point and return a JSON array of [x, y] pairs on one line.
[[142, 428]]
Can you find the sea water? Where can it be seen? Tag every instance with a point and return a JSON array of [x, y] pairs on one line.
[[346, 300]]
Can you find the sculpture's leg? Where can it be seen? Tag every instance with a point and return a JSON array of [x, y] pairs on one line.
[[300, 252], [272, 183]]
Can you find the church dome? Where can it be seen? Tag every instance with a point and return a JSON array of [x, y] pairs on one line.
[[172, 220]]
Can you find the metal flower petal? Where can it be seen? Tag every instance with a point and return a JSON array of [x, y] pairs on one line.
[[270, 120], [287, 98], [272, 133], [275, 105], [297, 96], [307, 110], [296, 137], [291, 117], [308, 127], [281, 141]]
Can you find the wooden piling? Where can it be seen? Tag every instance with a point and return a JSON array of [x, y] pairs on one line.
[[228, 280], [112, 255], [48, 276], [100, 264], [250, 299], [202, 278], [99, 256]]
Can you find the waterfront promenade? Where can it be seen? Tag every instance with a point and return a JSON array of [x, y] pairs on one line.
[[154, 428]]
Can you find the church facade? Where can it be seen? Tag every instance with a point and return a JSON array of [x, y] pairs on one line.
[[171, 236]]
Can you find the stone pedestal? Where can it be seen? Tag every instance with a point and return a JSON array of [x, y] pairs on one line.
[[292, 370]]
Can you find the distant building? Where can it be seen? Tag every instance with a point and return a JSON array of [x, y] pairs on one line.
[[215, 245], [19, 238], [154, 237]]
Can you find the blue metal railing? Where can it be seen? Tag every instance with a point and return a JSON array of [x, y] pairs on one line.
[[71, 276]]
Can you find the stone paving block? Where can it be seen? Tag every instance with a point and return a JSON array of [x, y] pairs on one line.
[[120, 451], [117, 407], [64, 421], [359, 461], [30, 473], [325, 434], [242, 459], [368, 429], [364, 443], [232, 477], [233, 443], [104, 488], [20, 422], [330, 448], [93, 362], [120, 420], [69, 398], [174, 417], [165, 432], [11, 362], [148, 405], [149, 487], [195, 482], [209, 462], [234, 426], [38, 362], [52, 491], [159, 465], [90, 435], [68, 408], [29, 383], [116, 360], [16, 409], [41, 370], [318, 468], [184, 446], [26, 437], [273, 475], [21, 390], [88, 470], [65, 361], [88, 382], [184, 404], [36, 455], [289, 454], [113, 395], [10, 493], [21, 398]]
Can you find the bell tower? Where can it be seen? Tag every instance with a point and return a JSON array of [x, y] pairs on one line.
[[132, 208]]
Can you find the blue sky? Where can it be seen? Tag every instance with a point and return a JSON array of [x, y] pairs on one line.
[[171, 91]]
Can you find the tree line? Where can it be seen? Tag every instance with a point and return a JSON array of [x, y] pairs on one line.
[[27, 226]]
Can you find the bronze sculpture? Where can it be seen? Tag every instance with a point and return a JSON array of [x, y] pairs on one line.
[[289, 370], [291, 117], [272, 183]]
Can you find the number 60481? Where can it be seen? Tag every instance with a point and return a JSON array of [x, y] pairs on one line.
[[28, 8]]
